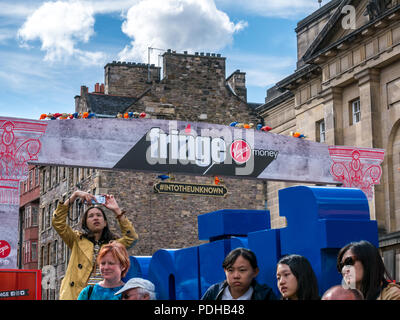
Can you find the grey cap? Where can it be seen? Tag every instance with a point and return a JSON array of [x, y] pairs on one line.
[[137, 283]]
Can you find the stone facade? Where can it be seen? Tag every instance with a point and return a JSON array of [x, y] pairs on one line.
[[346, 92], [193, 88]]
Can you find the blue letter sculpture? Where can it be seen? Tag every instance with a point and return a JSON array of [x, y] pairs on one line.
[[320, 221]]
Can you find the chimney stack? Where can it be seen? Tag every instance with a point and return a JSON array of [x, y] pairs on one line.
[[84, 90]]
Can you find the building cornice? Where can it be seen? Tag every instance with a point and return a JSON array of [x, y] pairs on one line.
[[317, 57]]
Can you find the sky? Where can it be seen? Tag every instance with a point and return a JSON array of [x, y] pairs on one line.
[[49, 49]]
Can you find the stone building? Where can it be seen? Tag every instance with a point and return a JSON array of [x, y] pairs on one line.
[[193, 87], [346, 91]]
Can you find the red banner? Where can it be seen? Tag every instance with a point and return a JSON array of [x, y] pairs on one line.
[[20, 284]]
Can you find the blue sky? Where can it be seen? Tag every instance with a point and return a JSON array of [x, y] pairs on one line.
[[48, 49]]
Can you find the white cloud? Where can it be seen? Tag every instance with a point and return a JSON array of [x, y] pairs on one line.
[[182, 25], [60, 26], [16, 9], [273, 8], [107, 6]]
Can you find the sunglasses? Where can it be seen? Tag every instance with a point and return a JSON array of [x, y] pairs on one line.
[[349, 261]]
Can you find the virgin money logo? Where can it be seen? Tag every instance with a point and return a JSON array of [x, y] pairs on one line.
[[4, 249], [240, 151]]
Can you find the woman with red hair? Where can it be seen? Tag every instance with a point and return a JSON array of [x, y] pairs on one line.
[[113, 260]]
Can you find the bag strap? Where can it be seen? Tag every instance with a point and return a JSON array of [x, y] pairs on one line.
[[90, 291]]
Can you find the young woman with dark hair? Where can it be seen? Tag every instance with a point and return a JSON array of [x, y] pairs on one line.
[[240, 267], [362, 267], [82, 268], [296, 278]]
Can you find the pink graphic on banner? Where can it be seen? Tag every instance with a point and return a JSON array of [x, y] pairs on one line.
[[19, 143], [357, 167], [5, 249]]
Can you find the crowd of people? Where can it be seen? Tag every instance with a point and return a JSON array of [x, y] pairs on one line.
[[99, 260]]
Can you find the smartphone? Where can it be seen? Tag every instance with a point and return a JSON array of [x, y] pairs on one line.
[[99, 199]]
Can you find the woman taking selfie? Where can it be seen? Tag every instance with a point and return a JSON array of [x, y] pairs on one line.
[[240, 267], [85, 245], [362, 268]]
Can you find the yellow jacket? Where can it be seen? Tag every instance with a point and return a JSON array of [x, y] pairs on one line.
[[80, 264]]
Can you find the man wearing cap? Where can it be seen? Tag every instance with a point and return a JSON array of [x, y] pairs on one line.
[[137, 289]]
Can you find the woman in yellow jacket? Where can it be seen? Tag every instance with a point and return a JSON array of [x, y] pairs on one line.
[[85, 245]]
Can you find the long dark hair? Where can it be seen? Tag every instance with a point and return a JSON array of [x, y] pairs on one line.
[[375, 275], [247, 254], [106, 235], [307, 284]]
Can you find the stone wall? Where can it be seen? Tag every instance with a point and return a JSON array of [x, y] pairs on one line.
[[194, 88], [167, 220], [129, 79]]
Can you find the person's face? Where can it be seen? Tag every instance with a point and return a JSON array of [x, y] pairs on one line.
[[110, 267], [352, 270], [95, 220], [287, 282], [134, 294], [240, 275]]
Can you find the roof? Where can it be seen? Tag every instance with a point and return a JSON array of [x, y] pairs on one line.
[[108, 104], [317, 14], [319, 45], [275, 96]]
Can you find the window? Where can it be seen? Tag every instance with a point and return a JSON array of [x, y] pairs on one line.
[[44, 180], [49, 180], [57, 174], [54, 253], [48, 254], [43, 215], [34, 251], [26, 251], [42, 255], [320, 128], [34, 216], [28, 211], [30, 179], [48, 220], [36, 176], [355, 111]]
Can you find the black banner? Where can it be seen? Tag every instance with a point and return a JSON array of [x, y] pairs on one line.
[[191, 189], [14, 293]]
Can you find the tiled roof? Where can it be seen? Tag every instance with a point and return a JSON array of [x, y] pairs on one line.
[[108, 104]]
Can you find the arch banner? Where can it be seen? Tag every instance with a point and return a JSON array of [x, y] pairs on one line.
[[168, 146]]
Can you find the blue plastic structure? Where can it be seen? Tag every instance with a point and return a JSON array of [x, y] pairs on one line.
[[320, 221]]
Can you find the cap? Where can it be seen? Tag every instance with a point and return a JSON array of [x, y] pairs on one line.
[[137, 283]]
